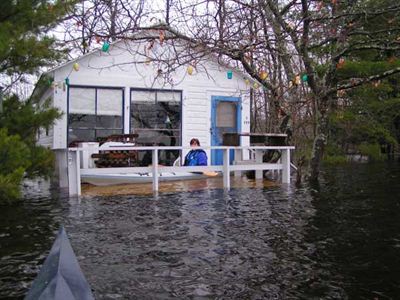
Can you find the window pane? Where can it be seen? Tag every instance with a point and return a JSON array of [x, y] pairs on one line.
[[102, 133], [161, 138], [143, 96], [143, 115], [82, 135], [156, 122], [81, 121], [169, 115], [147, 137], [226, 114], [169, 97], [109, 122], [82, 118], [143, 109], [158, 137], [82, 100], [109, 102]]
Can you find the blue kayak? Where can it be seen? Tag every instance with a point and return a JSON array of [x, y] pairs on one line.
[[60, 277]]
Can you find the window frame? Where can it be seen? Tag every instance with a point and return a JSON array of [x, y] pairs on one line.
[[95, 87], [156, 91]]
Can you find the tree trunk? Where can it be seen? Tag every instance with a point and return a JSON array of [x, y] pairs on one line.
[[167, 11], [320, 142]]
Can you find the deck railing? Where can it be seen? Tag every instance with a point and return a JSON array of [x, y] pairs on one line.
[[75, 171]]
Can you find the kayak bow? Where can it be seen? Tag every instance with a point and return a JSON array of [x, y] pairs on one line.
[[60, 277]]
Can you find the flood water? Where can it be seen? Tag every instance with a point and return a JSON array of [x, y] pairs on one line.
[[340, 240]]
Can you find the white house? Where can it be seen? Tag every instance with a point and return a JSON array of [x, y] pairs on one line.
[[142, 87]]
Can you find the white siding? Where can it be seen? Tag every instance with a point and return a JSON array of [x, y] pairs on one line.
[[44, 139], [60, 126]]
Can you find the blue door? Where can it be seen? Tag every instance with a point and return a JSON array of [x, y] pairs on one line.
[[225, 118]]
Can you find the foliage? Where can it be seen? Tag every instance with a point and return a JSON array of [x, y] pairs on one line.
[[334, 154], [42, 162], [364, 68], [25, 47], [24, 43], [25, 118], [19, 154], [14, 160], [335, 159], [373, 151], [367, 122], [368, 116], [10, 186], [303, 150], [14, 153]]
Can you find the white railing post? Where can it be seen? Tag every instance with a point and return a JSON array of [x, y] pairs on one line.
[[226, 169], [285, 159], [78, 172], [86, 156], [155, 170], [74, 173]]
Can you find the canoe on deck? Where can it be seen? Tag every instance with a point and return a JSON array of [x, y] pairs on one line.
[[128, 178], [60, 277]]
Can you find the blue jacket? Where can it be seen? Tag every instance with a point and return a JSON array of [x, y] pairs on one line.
[[196, 158]]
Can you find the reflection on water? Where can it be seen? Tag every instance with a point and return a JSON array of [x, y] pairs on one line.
[[27, 231], [338, 241]]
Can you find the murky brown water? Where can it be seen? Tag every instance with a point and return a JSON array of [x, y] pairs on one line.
[[338, 241]]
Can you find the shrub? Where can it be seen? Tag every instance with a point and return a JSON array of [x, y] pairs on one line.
[[14, 160], [373, 151], [10, 186], [335, 159], [13, 153]]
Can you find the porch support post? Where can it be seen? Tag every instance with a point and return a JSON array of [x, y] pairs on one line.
[[238, 160], [62, 167], [74, 173], [285, 160], [155, 170], [226, 169], [259, 160]]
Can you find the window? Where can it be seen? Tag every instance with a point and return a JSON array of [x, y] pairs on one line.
[[226, 114], [94, 113], [156, 118]]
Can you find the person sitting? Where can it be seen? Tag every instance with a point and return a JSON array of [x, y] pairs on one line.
[[196, 157]]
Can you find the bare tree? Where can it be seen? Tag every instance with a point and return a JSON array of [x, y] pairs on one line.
[[293, 49], [94, 22], [302, 42]]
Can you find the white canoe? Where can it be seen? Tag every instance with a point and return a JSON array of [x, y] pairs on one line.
[[124, 178]]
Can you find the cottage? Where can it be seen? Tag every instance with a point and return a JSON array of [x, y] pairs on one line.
[[151, 87]]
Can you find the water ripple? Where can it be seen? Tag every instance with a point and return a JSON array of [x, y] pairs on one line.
[[336, 241]]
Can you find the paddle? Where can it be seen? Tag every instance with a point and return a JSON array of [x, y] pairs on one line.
[[210, 173]]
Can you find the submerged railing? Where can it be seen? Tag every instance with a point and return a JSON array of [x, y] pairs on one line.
[[75, 171]]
